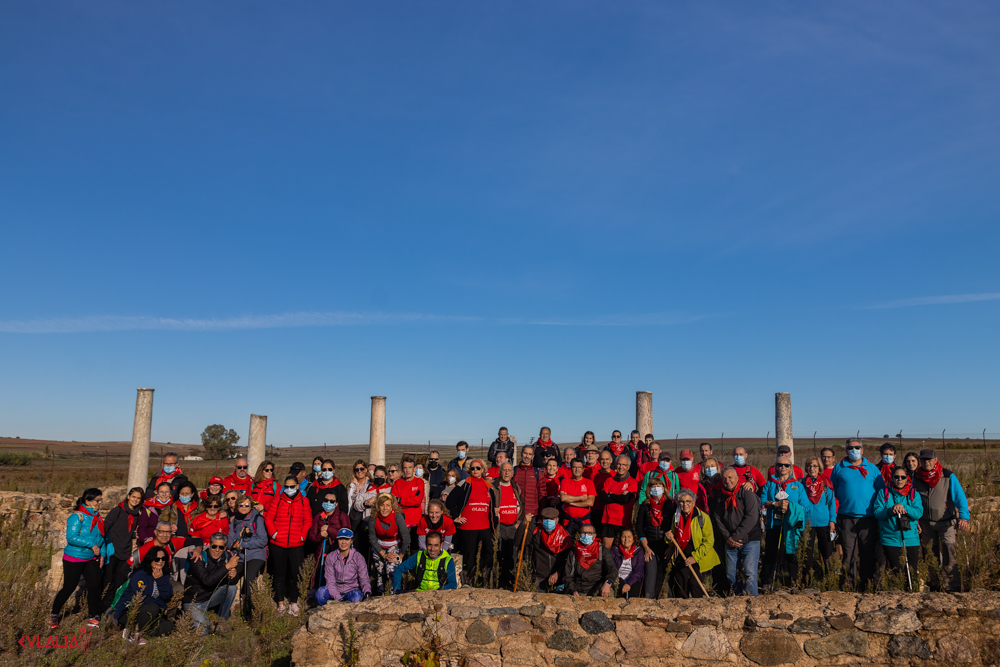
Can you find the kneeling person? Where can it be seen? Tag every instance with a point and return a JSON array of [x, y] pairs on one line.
[[590, 568], [346, 573], [433, 568], [211, 583]]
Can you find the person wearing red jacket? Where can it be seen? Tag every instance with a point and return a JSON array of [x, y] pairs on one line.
[[323, 533], [686, 474], [216, 487], [325, 481], [265, 486], [210, 520], [411, 493], [288, 521], [526, 477], [240, 479], [618, 493], [187, 501]]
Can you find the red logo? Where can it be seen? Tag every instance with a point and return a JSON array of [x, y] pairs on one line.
[[80, 640]]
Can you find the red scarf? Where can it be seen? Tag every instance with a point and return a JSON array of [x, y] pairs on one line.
[[815, 487], [682, 530], [627, 553], [933, 477], [662, 474], [186, 511], [730, 497], [885, 469], [587, 556], [616, 448], [906, 490], [131, 517], [156, 504], [860, 467], [656, 510], [95, 519], [555, 541]]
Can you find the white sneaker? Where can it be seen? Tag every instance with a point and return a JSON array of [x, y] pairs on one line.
[[293, 609], [281, 608]]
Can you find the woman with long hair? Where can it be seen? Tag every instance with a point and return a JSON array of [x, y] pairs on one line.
[[85, 547], [151, 582], [119, 533], [389, 539], [821, 512], [210, 520], [265, 486], [476, 522], [248, 538], [187, 502], [288, 520], [629, 560]]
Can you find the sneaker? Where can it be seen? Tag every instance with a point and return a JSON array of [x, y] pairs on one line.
[[54, 621], [281, 607], [94, 622], [137, 638], [293, 609]]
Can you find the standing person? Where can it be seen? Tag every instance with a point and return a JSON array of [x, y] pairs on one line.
[[475, 523], [569, 453], [150, 582], [210, 520], [436, 521], [665, 474], [119, 535], [395, 472], [945, 509], [360, 483], [628, 558], [911, 462], [706, 451], [752, 478], [548, 486], [778, 496], [299, 470], [898, 508], [211, 583], [410, 493], [494, 471], [504, 443], [167, 472], [545, 449], [618, 493], [435, 474], [526, 477], [239, 479], [511, 521], [288, 520], [636, 447], [887, 452], [737, 520], [550, 544], [605, 471], [577, 495], [314, 476], [711, 478], [652, 530], [389, 539], [448, 495], [345, 573], [586, 441], [215, 488], [433, 567], [786, 451], [687, 475], [590, 568], [855, 481], [593, 461], [461, 460], [615, 446], [829, 460], [692, 530], [326, 482], [85, 547], [325, 526], [265, 486], [821, 512], [652, 460]]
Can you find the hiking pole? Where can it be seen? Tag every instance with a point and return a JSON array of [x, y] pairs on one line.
[[680, 552], [524, 538], [906, 560], [777, 557]]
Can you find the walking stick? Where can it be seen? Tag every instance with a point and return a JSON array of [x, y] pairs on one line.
[[694, 574], [906, 560], [524, 538], [777, 558]]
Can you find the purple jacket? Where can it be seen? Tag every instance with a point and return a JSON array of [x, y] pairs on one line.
[[343, 576], [145, 525], [638, 566]]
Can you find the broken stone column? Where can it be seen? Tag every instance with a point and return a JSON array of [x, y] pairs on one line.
[[142, 429], [376, 439], [783, 422], [644, 412], [257, 442]]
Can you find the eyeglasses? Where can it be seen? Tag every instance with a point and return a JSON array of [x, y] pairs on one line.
[[292, 487], [902, 477], [616, 437], [217, 546], [241, 467], [327, 470]]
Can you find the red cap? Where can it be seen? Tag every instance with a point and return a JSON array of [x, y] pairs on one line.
[[216, 480], [687, 454]]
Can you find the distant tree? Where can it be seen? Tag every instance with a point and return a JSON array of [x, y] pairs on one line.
[[193, 451], [218, 442]]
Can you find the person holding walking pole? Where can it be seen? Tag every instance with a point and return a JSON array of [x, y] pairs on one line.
[[898, 509], [776, 510], [693, 540]]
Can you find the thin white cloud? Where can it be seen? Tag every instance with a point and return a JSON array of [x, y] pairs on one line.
[[647, 319], [936, 300], [97, 323]]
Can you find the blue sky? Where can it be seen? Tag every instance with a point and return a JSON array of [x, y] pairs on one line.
[[515, 213]]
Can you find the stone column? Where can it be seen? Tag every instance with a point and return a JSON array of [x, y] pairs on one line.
[[256, 442], [376, 439], [142, 429], [644, 412], [783, 422]]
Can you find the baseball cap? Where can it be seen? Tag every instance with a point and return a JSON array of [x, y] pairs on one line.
[[686, 454], [927, 454], [784, 449], [345, 532], [216, 480]]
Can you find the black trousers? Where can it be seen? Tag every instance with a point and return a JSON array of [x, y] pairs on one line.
[[894, 559], [91, 573], [247, 574], [821, 537], [116, 572], [776, 560], [150, 621], [860, 535], [682, 581], [655, 570], [470, 542], [286, 563]]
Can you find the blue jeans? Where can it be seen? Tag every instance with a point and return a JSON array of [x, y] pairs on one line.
[[223, 598], [323, 596], [749, 553]]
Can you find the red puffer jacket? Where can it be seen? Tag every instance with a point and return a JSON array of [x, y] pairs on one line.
[[288, 520]]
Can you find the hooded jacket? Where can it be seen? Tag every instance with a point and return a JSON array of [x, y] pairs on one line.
[[888, 522], [254, 545]]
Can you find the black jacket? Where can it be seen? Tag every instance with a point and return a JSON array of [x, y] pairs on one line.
[[742, 523], [542, 452], [547, 562], [654, 534], [586, 582], [316, 495], [204, 576], [116, 530], [498, 446], [435, 478], [463, 491]]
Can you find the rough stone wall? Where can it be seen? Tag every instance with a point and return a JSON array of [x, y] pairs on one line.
[[484, 628]]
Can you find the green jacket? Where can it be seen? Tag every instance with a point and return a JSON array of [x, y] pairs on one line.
[[670, 478], [702, 540]]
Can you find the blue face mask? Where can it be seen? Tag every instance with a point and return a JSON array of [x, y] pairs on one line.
[[169, 469], [317, 468], [329, 507], [656, 491], [326, 474], [184, 499], [291, 491], [854, 454], [664, 465], [586, 539], [711, 472], [686, 465], [740, 459], [419, 472], [549, 525], [888, 458], [462, 455]]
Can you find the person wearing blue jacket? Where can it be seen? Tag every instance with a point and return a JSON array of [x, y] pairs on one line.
[[821, 512], [85, 549], [779, 492], [151, 583], [855, 481], [898, 510], [248, 538]]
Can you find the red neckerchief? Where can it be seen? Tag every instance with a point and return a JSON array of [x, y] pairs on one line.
[[780, 483], [156, 504], [662, 474], [906, 491], [815, 487], [186, 513], [333, 482], [885, 469], [730, 497], [131, 516], [616, 448], [656, 510], [682, 530], [860, 467], [555, 541], [95, 519], [164, 477], [587, 556], [933, 477], [627, 553]]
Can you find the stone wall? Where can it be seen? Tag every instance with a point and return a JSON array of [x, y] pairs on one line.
[[483, 628]]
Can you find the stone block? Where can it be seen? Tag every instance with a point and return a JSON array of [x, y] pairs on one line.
[[957, 650], [838, 643], [602, 651], [499, 611], [707, 643], [532, 610], [810, 626], [909, 647], [512, 625], [640, 641], [565, 640], [840, 622], [463, 612], [889, 621], [568, 617], [596, 622], [771, 648], [480, 634]]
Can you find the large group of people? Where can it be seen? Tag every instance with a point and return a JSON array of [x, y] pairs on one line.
[[623, 519]]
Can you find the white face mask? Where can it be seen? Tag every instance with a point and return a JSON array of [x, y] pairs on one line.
[[452, 481], [711, 472], [656, 491], [419, 472], [686, 465]]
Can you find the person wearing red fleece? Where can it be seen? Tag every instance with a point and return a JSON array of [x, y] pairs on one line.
[[593, 462], [240, 479], [168, 471], [548, 486], [545, 448], [494, 471], [325, 481], [410, 492], [577, 495], [569, 454], [215, 488], [797, 472], [605, 463], [653, 454], [750, 477], [686, 474], [618, 493], [288, 521]]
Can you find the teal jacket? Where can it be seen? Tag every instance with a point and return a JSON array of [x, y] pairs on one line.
[[796, 494], [81, 538], [794, 524], [888, 523]]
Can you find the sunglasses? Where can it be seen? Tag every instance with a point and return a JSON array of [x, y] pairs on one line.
[[241, 467], [360, 469], [327, 470], [218, 546], [215, 506], [244, 506], [268, 469], [160, 559], [475, 468], [434, 460], [903, 477], [783, 465], [854, 448]]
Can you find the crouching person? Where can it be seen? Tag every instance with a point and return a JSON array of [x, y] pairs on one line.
[[211, 583], [590, 568], [151, 584], [434, 568], [346, 573]]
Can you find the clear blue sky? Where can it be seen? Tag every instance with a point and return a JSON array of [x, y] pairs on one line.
[[498, 213]]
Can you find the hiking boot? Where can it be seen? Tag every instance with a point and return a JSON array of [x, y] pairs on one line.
[[293, 609], [54, 621]]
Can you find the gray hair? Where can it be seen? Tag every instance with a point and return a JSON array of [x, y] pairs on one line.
[[218, 536], [164, 524], [850, 440], [686, 492], [623, 456], [727, 469]]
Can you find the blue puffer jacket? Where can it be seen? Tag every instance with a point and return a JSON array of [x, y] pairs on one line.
[[796, 494], [888, 523], [81, 538]]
